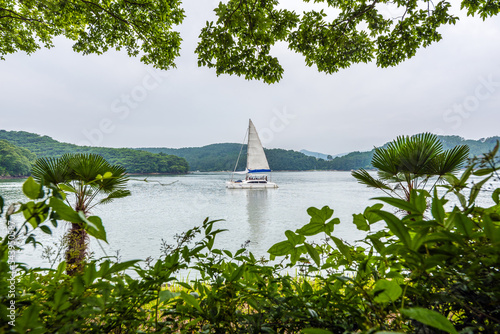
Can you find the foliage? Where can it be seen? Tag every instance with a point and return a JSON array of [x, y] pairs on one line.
[[331, 35], [14, 160], [95, 26], [240, 40], [91, 181], [410, 162], [425, 271], [134, 161]]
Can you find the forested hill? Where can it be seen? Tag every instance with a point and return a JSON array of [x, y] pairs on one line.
[[14, 160], [134, 161], [222, 157]]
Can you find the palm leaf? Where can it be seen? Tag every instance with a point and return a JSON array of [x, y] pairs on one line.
[[52, 170], [451, 160], [366, 179], [120, 193]]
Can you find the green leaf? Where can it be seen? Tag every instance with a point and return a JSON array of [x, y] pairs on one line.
[[65, 187], [399, 203], [94, 226], [495, 196], [191, 300], [295, 239], [396, 226], [167, 295], [463, 224], [370, 215], [64, 211], [315, 331], [483, 171], [29, 319], [343, 248], [45, 229], [281, 248], [236, 275], [386, 291], [32, 189], [311, 229], [117, 267], [437, 208], [313, 253], [476, 188], [430, 318], [319, 216], [360, 222]]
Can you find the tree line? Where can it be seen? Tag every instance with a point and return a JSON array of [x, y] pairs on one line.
[[223, 157], [31, 146]]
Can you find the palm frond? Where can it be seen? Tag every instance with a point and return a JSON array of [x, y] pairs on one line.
[[366, 179], [120, 193], [450, 161], [52, 170]]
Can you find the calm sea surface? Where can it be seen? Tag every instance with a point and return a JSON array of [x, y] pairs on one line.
[[167, 205]]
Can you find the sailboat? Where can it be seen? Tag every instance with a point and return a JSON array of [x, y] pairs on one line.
[[256, 163]]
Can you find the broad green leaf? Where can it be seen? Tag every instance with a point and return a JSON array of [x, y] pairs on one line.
[[313, 253], [167, 295], [191, 300], [236, 275], [386, 291], [32, 189], [360, 222], [94, 226], [117, 267], [343, 248], [319, 216], [65, 187], [483, 171], [370, 215], [463, 224], [490, 229], [398, 203], [396, 226], [311, 229], [430, 318], [295, 239], [437, 208], [64, 211], [281, 248]]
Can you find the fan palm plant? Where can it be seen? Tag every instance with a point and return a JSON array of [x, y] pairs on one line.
[[408, 163], [89, 180]]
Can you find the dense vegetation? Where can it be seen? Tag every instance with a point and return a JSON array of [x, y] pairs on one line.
[[14, 160], [240, 40], [222, 157], [133, 160], [423, 270]]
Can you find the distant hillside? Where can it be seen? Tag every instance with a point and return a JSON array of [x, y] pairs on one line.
[[318, 155], [222, 157], [14, 160], [219, 157], [133, 160]]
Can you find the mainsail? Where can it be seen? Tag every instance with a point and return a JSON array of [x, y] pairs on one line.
[[256, 158]]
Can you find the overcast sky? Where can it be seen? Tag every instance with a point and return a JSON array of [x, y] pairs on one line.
[[452, 87]]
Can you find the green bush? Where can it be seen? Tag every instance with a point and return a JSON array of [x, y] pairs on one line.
[[419, 268]]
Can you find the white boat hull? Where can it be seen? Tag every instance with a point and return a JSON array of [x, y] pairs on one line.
[[250, 185]]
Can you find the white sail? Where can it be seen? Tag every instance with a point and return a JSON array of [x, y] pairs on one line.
[[256, 158]]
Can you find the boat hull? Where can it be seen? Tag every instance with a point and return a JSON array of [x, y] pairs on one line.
[[250, 185]]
